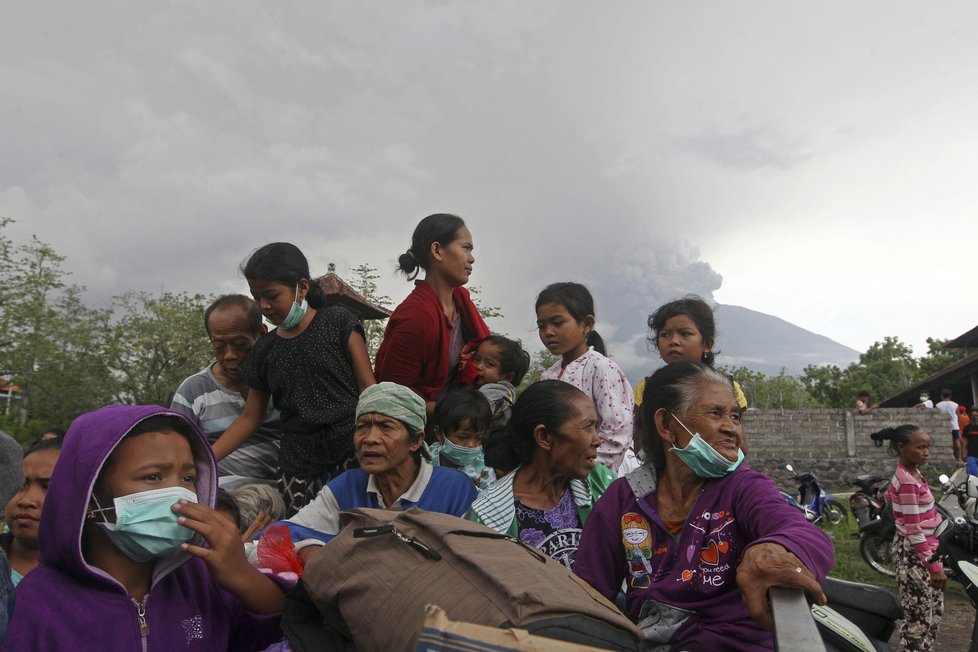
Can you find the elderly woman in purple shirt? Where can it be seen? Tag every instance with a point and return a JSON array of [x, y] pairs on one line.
[[697, 536]]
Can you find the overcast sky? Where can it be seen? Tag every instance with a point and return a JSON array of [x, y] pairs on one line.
[[815, 161]]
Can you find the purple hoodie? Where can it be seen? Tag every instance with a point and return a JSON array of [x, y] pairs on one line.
[[624, 538], [67, 604]]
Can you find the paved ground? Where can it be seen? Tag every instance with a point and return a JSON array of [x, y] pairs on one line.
[[955, 632]]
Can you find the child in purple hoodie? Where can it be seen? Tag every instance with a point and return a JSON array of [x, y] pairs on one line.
[[133, 557]]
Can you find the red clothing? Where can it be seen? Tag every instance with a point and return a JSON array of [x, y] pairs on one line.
[[414, 352]]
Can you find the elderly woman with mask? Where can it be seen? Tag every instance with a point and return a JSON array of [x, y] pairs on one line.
[[394, 473], [697, 536], [553, 433]]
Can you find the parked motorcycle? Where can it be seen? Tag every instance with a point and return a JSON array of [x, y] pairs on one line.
[[857, 616], [819, 506], [866, 503], [958, 543], [876, 539], [876, 536]]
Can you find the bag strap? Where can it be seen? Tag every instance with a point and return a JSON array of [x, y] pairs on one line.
[[642, 480], [497, 536], [414, 542]]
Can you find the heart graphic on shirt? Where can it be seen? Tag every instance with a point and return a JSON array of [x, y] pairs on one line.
[[710, 554]]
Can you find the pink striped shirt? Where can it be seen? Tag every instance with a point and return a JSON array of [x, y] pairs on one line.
[[915, 513]]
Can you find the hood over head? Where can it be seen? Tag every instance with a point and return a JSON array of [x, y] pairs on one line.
[[88, 443]]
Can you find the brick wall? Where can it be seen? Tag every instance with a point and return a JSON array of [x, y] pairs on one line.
[[835, 445]]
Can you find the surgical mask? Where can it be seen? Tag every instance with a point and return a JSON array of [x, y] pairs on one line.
[[924, 398], [296, 313], [463, 455], [703, 459], [145, 525]]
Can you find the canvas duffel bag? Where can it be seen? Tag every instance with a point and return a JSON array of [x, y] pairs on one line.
[[373, 580]]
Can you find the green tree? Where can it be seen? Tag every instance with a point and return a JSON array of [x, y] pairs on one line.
[[72, 377], [487, 312], [938, 357], [51, 344], [824, 386], [157, 341], [780, 392], [885, 369], [364, 281], [539, 362]]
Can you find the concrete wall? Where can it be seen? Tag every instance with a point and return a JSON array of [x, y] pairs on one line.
[[835, 445]]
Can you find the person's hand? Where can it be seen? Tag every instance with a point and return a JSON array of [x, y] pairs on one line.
[[768, 564], [260, 523], [224, 553], [938, 579]]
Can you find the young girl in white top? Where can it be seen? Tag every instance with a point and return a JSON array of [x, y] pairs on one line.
[[565, 320]]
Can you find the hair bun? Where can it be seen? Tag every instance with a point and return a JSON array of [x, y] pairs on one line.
[[407, 262]]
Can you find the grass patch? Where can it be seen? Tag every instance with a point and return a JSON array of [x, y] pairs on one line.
[[849, 564]]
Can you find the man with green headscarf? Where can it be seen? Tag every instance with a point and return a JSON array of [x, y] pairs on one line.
[[394, 470]]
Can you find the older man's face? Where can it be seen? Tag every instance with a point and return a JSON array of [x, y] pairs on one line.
[[231, 338], [383, 443]]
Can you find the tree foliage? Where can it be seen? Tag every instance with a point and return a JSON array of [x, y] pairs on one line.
[[68, 358], [938, 357], [364, 281], [157, 341], [780, 392]]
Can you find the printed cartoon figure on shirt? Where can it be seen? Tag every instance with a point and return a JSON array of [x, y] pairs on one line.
[[715, 552], [637, 537]]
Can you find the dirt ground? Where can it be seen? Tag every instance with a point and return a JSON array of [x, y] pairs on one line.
[[955, 632]]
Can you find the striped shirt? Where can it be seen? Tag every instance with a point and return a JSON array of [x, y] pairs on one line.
[[915, 513], [212, 406]]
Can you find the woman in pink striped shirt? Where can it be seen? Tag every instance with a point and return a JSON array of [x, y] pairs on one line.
[[920, 580]]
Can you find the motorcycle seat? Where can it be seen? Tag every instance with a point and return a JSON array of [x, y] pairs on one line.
[[844, 595]]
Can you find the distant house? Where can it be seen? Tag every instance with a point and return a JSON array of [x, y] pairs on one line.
[[960, 377], [339, 293]]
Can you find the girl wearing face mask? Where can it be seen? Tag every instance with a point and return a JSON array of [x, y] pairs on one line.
[[133, 550], [704, 536], [461, 419], [314, 365]]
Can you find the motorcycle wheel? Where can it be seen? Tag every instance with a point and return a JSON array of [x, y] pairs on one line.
[[835, 512], [876, 553]]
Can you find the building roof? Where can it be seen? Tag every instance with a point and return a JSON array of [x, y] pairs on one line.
[[339, 293], [968, 340], [957, 377]]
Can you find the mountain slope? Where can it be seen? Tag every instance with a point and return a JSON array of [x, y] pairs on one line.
[[745, 338]]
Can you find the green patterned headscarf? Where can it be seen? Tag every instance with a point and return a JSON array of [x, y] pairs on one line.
[[395, 401]]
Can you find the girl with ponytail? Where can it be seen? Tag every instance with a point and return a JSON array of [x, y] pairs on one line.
[[314, 364], [920, 580], [565, 321]]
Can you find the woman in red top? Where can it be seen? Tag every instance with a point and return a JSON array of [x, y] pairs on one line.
[[429, 338]]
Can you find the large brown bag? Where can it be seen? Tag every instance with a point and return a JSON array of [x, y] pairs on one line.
[[373, 581]]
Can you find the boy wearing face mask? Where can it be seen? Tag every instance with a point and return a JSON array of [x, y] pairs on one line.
[[925, 402], [459, 425], [134, 551]]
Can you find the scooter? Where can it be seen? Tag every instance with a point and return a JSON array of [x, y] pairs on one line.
[[819, 506], [958, 544], [866, 503]]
